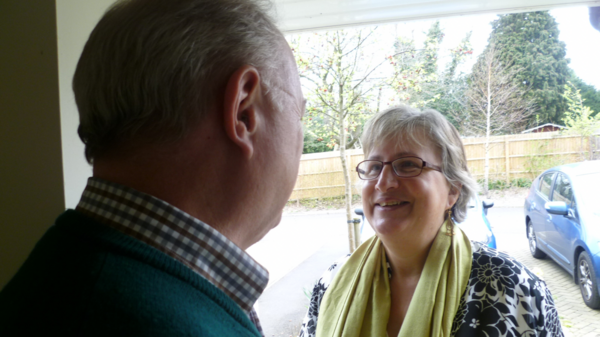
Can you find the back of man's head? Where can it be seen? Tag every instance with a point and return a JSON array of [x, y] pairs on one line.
[[151, 68]]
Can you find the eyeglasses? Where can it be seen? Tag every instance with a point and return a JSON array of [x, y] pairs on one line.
[[405, 167]]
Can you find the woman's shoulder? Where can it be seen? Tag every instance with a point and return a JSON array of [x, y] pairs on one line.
[[483, 254], [330, 273], [309, 325], [496, 273], [504, 298]]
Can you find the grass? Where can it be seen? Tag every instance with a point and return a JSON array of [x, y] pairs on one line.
[[322, 203]]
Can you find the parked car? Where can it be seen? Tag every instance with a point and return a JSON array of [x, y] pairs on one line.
[[562, 219], [476, 225]]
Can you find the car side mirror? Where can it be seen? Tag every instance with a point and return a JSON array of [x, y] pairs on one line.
[[557, 207], [359, 211], [487, 204]]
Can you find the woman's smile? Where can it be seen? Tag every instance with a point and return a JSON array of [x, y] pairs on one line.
[[392, 206]]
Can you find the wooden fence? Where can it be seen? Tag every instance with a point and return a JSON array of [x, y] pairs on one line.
[[511, 157]]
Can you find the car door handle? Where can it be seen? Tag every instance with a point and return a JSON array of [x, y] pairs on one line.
[[532, 206], [549, 218]]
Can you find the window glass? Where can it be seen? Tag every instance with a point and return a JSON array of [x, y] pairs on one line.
[[546, 184], [586, 187], [563, 190]]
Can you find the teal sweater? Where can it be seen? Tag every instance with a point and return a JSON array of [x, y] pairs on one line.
[[86, 279]]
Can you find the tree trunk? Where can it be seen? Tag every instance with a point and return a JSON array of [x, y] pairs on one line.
[[352, 235], [348, 188], [591, 148], [486, 176]]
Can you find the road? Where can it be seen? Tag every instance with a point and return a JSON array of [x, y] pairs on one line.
[[298, 251]]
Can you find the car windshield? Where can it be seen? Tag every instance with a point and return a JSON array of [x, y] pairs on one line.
[[586, 189]]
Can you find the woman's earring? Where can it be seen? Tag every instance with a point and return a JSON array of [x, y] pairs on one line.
[[450, 223]]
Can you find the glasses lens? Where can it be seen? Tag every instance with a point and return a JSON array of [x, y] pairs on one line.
[[369, 169], [407, 167]]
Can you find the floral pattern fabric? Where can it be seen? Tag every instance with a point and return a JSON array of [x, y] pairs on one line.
[[502, 298]]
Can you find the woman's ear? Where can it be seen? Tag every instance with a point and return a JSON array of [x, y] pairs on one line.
[[241, 108], [453, 194]]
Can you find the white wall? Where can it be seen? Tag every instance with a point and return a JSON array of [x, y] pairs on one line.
[[75, 21]]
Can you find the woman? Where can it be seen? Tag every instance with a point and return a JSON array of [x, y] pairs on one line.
[[419, 275]]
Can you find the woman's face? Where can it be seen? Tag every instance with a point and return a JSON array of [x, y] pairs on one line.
[[407, 209]]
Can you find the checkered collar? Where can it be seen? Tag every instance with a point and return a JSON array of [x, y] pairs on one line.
[[179, 235]]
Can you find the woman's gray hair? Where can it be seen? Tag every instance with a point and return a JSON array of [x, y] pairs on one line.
[[406, 123], [152, 67]]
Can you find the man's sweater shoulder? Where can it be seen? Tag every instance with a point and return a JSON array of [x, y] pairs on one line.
[[84, 278]]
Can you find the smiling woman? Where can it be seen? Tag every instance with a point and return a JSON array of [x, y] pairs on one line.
[[419, 275]]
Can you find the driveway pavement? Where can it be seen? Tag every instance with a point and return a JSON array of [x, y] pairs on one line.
[[299, 250], [578, 320], [296, 253]]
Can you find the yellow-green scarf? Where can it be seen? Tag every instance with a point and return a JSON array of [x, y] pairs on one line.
[[357, 302]]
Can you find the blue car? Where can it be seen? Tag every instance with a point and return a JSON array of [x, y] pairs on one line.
[[562, 217], [476, 225]]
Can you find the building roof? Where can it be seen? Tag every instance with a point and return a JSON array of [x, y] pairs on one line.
[[543, 126]]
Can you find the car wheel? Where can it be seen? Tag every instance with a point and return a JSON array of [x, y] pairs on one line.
[[587, 281], [535, 252]]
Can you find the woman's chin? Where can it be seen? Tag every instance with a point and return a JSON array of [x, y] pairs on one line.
[[388, 228]]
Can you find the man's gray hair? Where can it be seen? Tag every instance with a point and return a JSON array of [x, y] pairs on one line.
[[403, 123], [153, 67]]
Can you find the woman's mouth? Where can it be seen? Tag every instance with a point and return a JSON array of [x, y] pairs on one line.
[[391, 204]]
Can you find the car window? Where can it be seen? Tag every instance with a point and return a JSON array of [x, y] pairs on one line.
[[546, 184], [563, 190], [586, 187]]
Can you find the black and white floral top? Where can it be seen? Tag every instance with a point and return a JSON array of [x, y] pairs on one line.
[[503, 298]]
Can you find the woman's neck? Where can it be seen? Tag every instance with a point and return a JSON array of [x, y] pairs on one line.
[[406, 267], [408, 260]]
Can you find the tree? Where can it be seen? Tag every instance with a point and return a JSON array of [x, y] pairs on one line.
[[496, 102], [338, 68], [590, 96], [415, 70], [420, 82], [530, 42], [447, 94], [314, 141], [578, 118]]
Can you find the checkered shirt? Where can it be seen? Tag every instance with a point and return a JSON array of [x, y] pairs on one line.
[[179, 235]]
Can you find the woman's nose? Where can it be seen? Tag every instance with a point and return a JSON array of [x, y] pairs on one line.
[[387, 179]]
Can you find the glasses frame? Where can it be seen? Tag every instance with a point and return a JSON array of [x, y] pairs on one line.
[[383, 163]]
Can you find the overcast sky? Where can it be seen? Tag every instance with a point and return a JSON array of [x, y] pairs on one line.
[[582, 40]]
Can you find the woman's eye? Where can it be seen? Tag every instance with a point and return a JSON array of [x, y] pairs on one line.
[[407, 165], [375, 168]]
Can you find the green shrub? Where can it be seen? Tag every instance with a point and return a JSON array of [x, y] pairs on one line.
[[502, 184], [521, 182]]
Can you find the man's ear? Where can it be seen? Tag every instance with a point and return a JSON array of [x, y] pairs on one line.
[[241, 108], [453, 195]]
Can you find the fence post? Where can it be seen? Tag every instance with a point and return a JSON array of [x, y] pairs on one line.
[[507, 160]]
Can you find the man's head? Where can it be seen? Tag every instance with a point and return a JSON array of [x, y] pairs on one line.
[[152, 67], [198, 103]]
